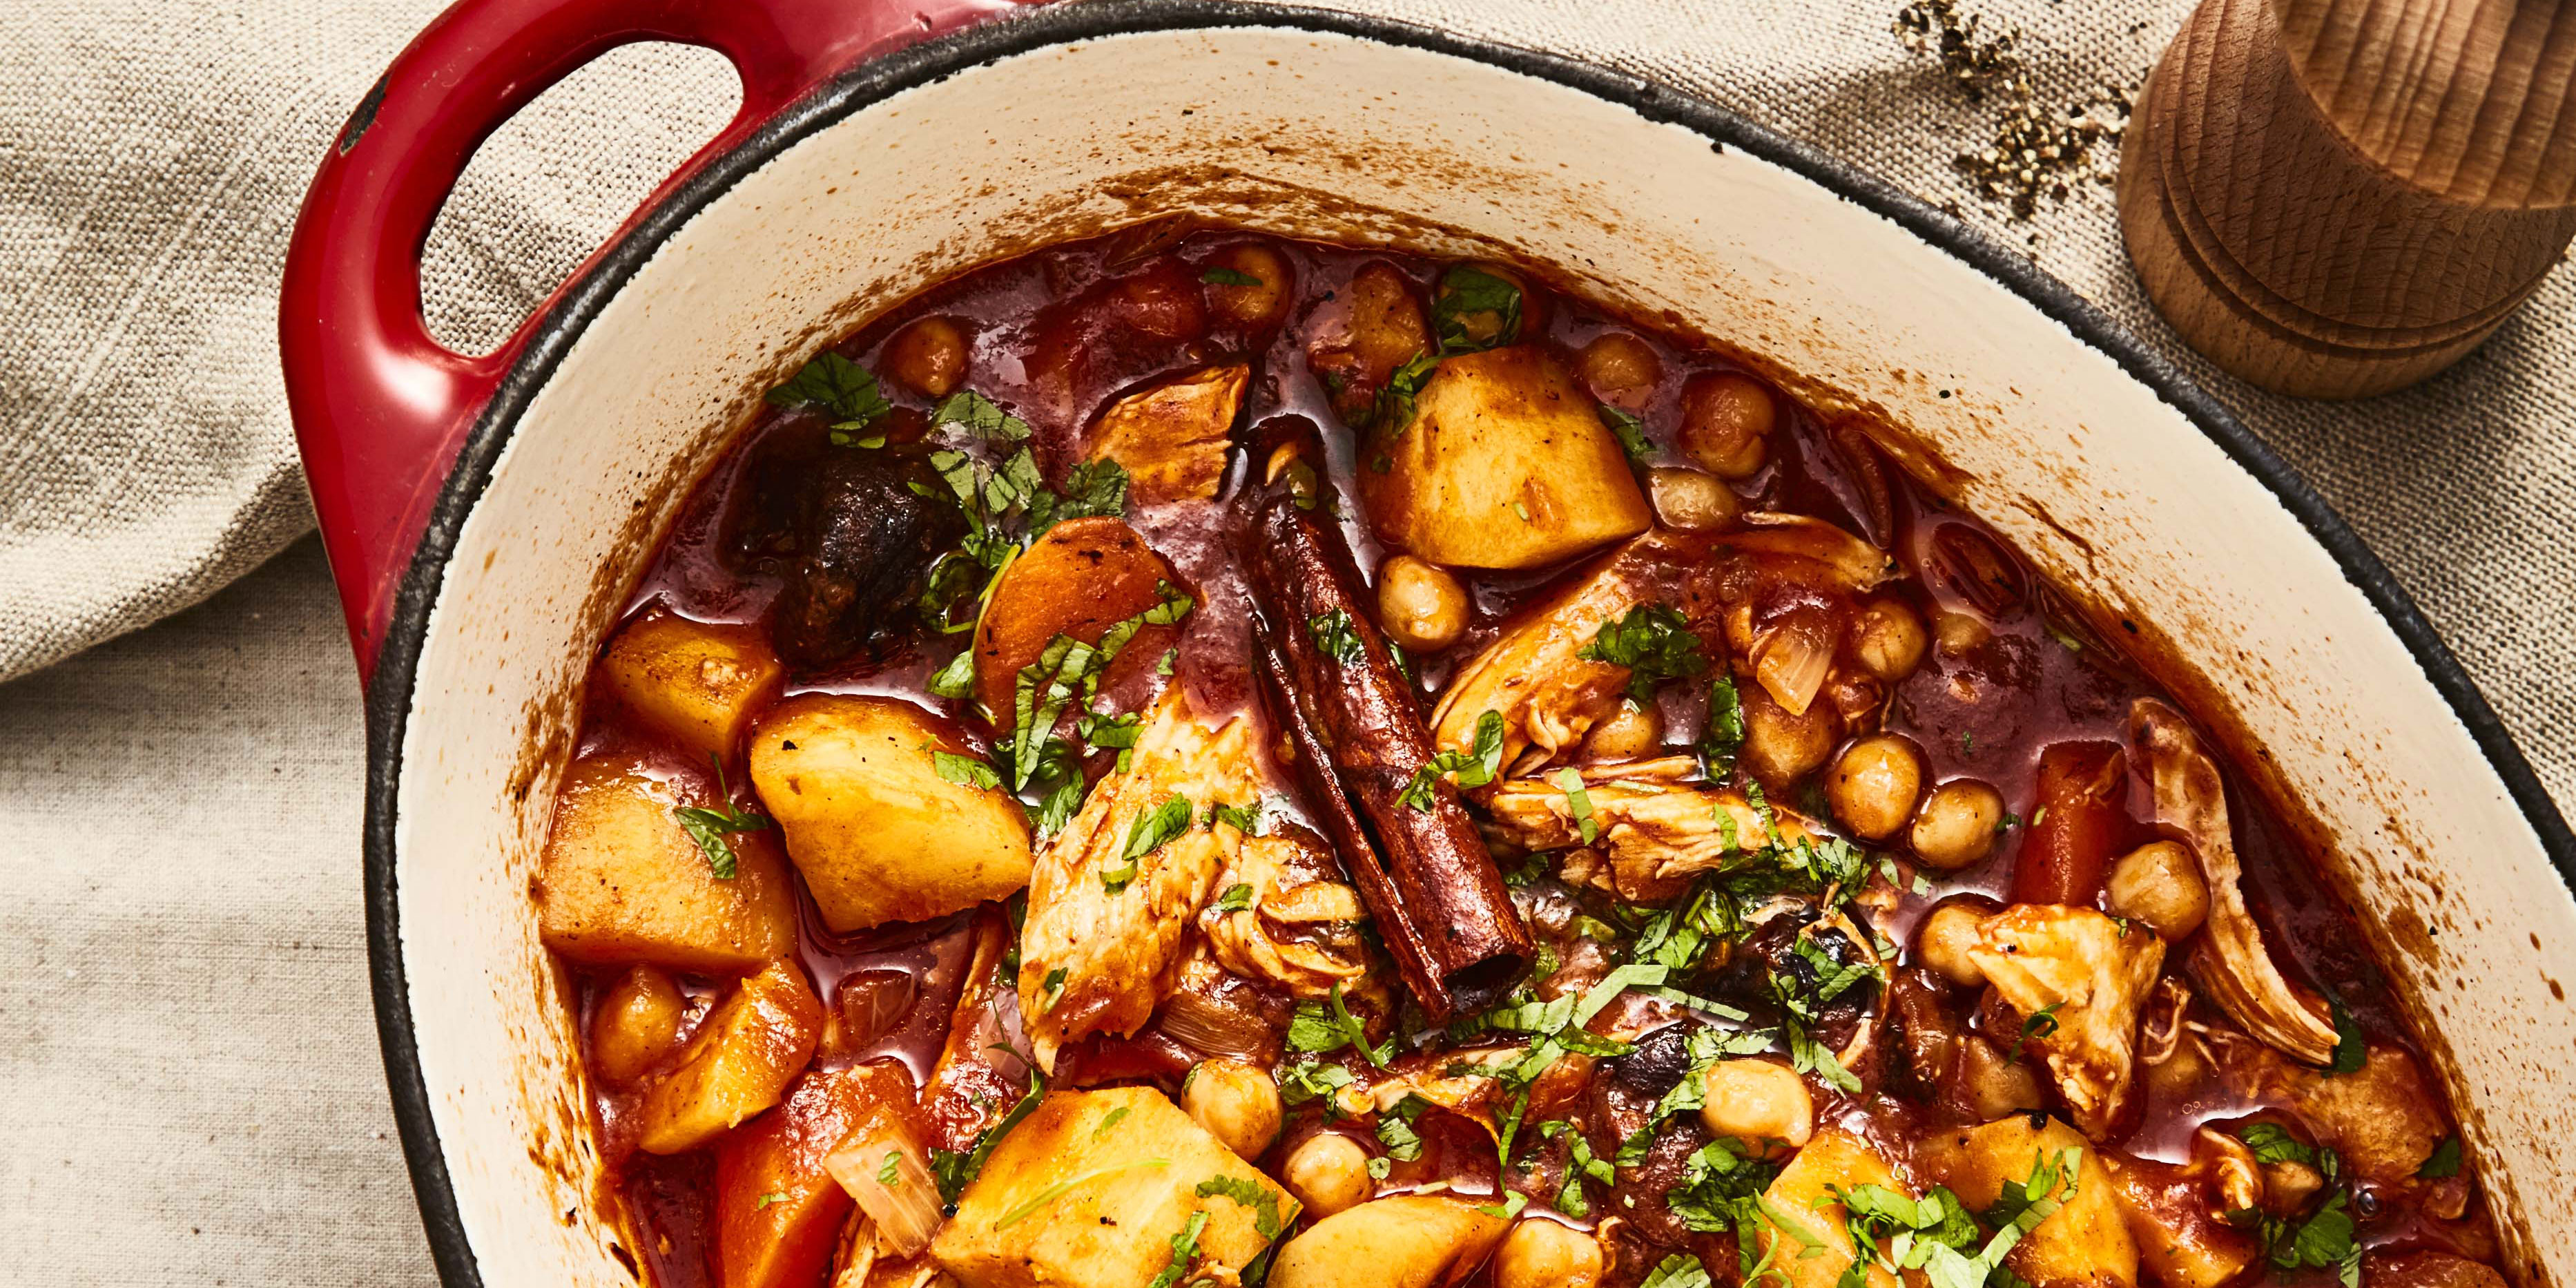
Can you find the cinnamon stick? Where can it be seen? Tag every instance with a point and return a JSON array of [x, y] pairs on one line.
[[1438, 900]]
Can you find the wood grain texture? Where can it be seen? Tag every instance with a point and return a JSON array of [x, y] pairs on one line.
[[2336, 198]]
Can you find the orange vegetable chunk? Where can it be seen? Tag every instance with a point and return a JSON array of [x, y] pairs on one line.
[[1083, 577], [739, 1062], [778, 1212]]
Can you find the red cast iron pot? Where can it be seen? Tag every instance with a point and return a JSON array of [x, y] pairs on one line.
[[487, 516]]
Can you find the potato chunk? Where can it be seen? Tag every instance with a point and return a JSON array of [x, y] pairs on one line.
[[621, 883], [698, 682], [1802, 1194], [1407, 1241], [739, 1062], [635, 1024], [1090, 1190], [2086, 1241], [1505, 465], [1172, 438], [778, 1212], [879, 835], [1081, 578]]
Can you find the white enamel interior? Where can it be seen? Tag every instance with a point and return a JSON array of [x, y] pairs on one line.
[[2150, 518]]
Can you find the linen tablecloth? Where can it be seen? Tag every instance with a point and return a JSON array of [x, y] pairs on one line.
[[194, 1093]]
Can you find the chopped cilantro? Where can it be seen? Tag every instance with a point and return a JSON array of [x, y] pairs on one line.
[[2444, 1163], [2349, 1050], [1185, 1249], [1092, 488], [1312, 1080], [708, 824], [1337, 635], [1475, 310], [981, 416], [952, 1171], [965, 770], [1249, 1193], [1244, 818], [1654, 643], [1679, 1270], [842, 390], [1228, 277], [1147, 831], [1395, 1128], [1631, 435], [2041, 1023], [1472, 768], [1578, 804], [1393, 411]]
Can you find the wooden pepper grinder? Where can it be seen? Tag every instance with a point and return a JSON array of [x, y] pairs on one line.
[[2337, 198]]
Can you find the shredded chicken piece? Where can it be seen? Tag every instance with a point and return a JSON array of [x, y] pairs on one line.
[[2383, 1118], [2225, 1165], [2091, 978], [1242, 939], [1657, 821], [861, 1261], [1549, 697], [1095, 959], [1855, 563], [1471, 1094], [1173, 439], [2229, 962]]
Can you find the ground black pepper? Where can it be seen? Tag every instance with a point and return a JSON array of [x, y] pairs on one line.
[[2035, 151]]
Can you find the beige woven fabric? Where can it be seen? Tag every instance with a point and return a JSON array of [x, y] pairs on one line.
[[194, 1095]]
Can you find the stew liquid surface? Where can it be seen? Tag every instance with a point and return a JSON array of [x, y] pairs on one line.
[[1191, 758]]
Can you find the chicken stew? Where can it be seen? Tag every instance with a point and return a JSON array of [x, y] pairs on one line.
[[1194, 758]]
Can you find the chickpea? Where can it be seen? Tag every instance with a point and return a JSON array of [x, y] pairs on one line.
[[1420, 605], [1328, 1173], [1991, 1087], [1631, 733], [637, 1023], [1958, 633], [1690, 500], [1727, 422], [1757, 1102], [1237, 1103], [1260, 303], [1540, 1253], [1956, 825], [1386, 324], [1621, 369], [927, 357], [1943, 941], [1874, 784], [1888, 639], [1779, 748], [2160, 884]]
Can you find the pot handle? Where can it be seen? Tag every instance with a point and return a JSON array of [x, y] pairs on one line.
[[380, 407]]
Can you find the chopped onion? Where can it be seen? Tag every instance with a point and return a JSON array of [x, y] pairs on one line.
[[1852, 561], [1215, 1029], [884, 1169], [1793, 658]]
